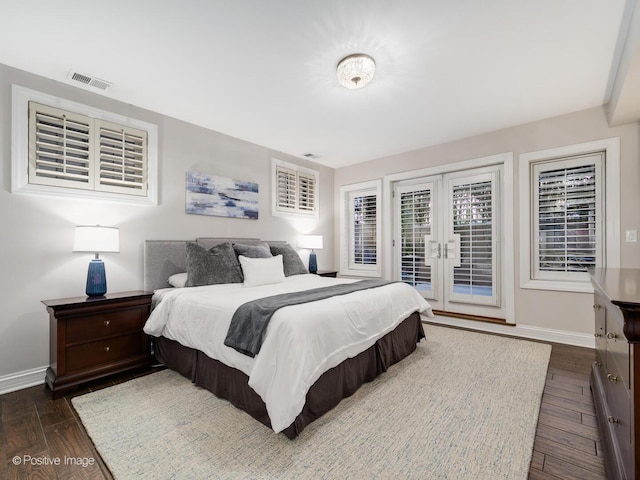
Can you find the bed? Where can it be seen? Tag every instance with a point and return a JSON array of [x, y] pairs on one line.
[[313, 354]]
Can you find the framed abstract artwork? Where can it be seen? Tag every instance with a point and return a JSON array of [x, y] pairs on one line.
[[221, 196]]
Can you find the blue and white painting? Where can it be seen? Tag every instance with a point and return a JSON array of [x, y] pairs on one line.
[[221, 196]]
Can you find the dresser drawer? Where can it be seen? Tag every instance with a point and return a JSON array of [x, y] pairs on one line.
[[104, 324], [619, 422], [105, 351], [617, 361]]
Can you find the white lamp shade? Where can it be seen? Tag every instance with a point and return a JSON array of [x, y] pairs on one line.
[[96, 239], [313, 242]]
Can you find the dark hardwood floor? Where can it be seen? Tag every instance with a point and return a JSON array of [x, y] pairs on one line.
[[36, 429], [567, 443]]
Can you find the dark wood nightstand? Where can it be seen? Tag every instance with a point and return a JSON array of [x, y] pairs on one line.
[[327, 273], [92, 337]]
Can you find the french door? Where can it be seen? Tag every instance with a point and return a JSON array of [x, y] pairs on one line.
[[447, 240]]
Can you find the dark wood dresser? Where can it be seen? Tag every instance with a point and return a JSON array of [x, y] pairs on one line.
[[615, 376], [92, 337]]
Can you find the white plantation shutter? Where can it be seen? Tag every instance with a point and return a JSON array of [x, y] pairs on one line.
[[296, 189], [473, 230], [567, 222], [59, 148], [306, 192], [122, 159], [415, 231], [76, 151], [364, 242], [286, 185]]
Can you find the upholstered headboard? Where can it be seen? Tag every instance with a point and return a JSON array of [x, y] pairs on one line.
[[163, 258]]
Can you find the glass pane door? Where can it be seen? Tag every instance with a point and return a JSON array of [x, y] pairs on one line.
[[419, 249], [447, 239], [471, 248]]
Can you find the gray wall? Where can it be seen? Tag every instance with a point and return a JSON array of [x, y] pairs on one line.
[[37, 232], [550, 310]]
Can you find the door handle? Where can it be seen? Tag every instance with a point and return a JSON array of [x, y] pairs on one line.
[[452, 249], [432, 249], [435, 247]]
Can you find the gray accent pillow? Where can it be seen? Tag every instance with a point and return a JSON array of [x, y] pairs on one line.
[[260, 250], [291, 260], [217, 265]]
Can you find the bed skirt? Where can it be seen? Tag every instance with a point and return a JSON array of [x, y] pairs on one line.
[[334, 385]]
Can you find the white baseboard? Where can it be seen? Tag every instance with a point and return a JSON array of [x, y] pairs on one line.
[[18, 381], [524, 331]]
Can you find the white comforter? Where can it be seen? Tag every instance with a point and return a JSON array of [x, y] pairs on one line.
[[302, 341]]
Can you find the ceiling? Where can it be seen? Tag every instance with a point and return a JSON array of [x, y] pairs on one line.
[[265, 71]]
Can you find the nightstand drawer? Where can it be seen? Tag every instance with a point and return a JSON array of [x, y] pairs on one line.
[[105, 351], [99, 325]]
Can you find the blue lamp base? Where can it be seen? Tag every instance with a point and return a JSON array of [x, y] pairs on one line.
[[96, 279], [313, 262]]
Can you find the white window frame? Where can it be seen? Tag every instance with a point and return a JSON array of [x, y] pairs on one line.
[[21, 97], [348, 192], [300, 172], [611, 231]]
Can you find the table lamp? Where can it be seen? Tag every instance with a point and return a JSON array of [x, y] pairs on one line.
[[312, 242], [96, 239]]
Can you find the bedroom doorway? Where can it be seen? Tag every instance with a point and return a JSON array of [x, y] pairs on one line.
[[447, 239]]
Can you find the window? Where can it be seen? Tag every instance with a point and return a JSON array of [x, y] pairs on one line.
[[76, 151], [360, 231], [568, 216], [68, 149], [295, 189], [364, 225], [568, 228]]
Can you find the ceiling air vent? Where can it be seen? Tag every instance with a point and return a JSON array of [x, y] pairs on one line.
[[90, 81]]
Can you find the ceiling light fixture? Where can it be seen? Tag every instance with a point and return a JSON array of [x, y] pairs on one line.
[[356, 71]]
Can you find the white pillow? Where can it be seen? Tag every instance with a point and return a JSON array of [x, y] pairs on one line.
[[261, 271], [178, 280]]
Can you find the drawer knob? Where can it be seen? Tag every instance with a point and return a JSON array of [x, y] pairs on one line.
[[611, 419], [597, 307], [107, 322], [612, 335], [613, 378], [597, 335], [107, 348]]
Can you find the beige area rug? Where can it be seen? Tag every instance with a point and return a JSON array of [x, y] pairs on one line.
[[464, 405]]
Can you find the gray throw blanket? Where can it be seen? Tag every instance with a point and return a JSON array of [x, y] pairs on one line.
[[251, 319]]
